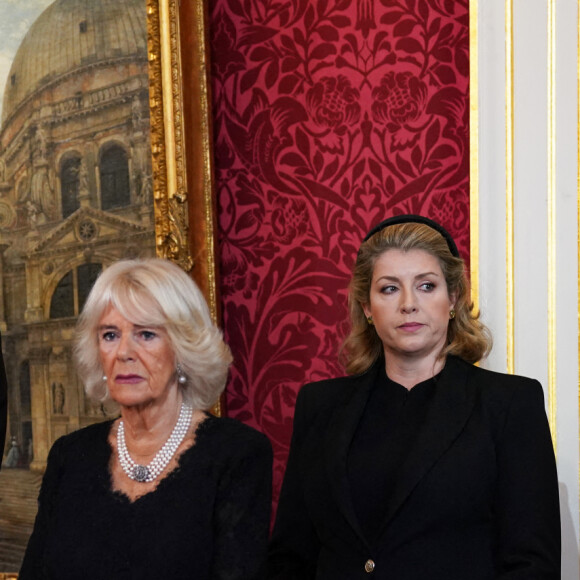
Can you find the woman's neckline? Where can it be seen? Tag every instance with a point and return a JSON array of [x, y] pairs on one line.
[[410, 383], [166, 479]]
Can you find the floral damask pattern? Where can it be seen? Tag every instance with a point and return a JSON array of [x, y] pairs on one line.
[[329, 115]]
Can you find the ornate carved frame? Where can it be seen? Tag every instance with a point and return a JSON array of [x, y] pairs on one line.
[[181, 144], [185, 217]]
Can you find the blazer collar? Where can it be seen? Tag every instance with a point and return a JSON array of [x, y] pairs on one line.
[[449, 410]]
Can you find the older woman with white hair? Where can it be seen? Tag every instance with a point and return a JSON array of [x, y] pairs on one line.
[[166, 490]]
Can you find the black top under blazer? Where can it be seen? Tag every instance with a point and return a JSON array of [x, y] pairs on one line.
[[476, 499]]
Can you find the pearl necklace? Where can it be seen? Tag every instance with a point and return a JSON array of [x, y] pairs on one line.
[[148, 473]]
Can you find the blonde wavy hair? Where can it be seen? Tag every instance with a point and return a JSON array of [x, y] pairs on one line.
[[467, 337], [155, 292]]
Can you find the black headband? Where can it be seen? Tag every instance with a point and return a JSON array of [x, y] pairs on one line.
[[415, 219]]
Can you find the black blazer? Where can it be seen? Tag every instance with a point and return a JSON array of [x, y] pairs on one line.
[[476, 499]]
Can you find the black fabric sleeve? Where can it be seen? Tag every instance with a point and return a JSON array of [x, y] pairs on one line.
[[295, 544], [526, 507], [32, 564], [242, 513]]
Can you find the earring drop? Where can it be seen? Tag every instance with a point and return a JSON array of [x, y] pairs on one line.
[[181, 378], [452, 314], [370, 320]]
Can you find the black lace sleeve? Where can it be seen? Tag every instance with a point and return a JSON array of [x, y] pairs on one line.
[[33, 557], [242, 512]]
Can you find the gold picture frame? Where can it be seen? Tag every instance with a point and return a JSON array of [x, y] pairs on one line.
[[181, 139], [181, 142]]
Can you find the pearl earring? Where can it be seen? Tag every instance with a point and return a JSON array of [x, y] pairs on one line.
[[104, 378], [181, 378]]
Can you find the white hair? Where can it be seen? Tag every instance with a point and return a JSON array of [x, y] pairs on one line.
[[156, 292]]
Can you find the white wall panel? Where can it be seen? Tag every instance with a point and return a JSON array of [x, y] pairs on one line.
[[545, 332], [492, 177]]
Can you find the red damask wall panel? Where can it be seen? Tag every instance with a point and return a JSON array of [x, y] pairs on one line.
[[329, 115]]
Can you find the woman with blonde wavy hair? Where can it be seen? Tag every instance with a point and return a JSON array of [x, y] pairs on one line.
[[418, 464], [166, 490]]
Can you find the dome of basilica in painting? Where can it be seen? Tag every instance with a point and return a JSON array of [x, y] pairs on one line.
[[71, 35]]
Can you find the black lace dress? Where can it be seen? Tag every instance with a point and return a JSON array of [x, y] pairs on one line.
[[208, 519]]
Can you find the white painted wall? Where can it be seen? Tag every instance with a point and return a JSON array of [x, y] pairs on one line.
[[531, 188]]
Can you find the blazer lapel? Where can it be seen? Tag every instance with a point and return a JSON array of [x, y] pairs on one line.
[[450, 409], [341, 431]]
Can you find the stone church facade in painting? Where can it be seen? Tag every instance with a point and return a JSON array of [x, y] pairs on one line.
[[75, 196]]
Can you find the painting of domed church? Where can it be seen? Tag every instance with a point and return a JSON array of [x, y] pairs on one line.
[[75, 196]]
